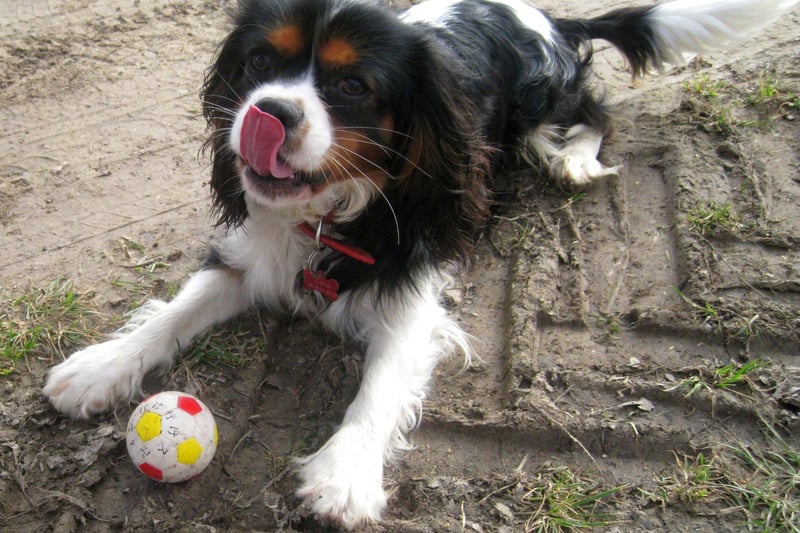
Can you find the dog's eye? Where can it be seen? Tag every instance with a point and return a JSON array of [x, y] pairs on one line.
[[260, 61], [353, 87]]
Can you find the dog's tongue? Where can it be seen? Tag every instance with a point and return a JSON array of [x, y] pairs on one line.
[[261, 138]]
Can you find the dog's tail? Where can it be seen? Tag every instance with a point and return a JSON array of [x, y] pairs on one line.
[[670, 33]]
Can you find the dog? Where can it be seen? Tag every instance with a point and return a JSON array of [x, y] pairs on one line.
[[352, 154]]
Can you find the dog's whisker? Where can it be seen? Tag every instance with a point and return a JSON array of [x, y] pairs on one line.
[[220, 111], [223, 98], [353, 129], [377, 189], [217, 74], [391, 151], [367, 160]]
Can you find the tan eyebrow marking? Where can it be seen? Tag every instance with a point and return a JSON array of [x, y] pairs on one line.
[[287, 40], [337, 52]]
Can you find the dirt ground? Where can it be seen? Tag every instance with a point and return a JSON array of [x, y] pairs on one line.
[[604, 320]]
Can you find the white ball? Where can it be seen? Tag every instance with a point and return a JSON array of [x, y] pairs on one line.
[[171, 436]]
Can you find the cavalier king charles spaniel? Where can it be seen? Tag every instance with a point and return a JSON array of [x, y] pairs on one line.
[[352, 151]]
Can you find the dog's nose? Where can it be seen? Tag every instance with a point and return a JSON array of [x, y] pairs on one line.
[[288, 113]]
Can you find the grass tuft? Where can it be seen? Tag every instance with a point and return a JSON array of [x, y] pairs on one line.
[[727, 377], [704, 87], [696, 478], [767, 91], [560, 500], [709, 218], [714, 105], [759, 482], [768, 491], [43, 322], [224, 348], [734, 374]]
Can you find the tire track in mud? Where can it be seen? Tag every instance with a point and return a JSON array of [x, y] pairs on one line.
[[600, 348]]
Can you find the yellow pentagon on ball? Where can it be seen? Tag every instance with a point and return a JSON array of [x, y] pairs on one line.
[[189, 451], [149, 426]]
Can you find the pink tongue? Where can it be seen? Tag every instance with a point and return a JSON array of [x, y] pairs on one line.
[[261, 138]]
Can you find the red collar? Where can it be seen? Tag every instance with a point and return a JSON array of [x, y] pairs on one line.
[[350, 250]]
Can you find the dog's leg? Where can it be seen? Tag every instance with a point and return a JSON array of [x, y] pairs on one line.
[[570, 158], [343, 481], [574, 163], [96, 378]]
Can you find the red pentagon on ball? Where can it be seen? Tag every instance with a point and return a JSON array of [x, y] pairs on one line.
[[190, 405], [151, 471]]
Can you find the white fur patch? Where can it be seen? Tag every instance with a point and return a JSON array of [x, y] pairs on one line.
[[433, 12], [571, 158], [684, 28], [530, 17], [438, 12]]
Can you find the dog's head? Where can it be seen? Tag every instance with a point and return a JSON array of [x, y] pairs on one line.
[[336, 105]]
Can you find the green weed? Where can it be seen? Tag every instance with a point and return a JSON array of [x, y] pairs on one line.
[[707, 109], [696, 478], [707, 311], [611, 325], [136, 287], [766, 91], [733, 374], [127, 245], [760, 482], [224, 348], [722, 121], [43, 321], [768, 489], [725, 377], [712, 104], [704, 87], [708, 218], [792, 103], [560, 500]]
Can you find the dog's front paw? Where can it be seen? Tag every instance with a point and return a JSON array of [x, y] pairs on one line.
[[95, 379], [343, 481]]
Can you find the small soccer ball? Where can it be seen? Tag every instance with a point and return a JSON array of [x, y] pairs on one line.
[[171, 436]]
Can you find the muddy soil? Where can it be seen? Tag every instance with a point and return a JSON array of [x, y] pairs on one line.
[[599, 317]]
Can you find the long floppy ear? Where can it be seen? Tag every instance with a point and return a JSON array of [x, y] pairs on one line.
[[444, 196], [220, 101], [429, 213]]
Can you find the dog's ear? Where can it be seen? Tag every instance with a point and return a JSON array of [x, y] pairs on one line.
[[442, 186], [220, 99]]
